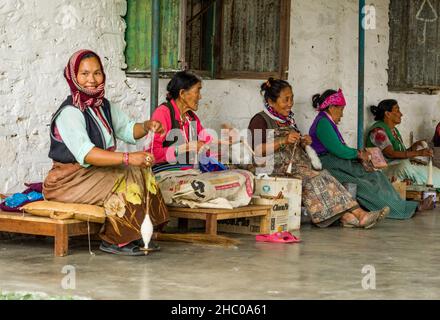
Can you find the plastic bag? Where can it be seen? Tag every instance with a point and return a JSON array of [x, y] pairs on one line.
[[209, 164]]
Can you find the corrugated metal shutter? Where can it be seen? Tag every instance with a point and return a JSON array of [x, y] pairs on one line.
[[414, 51], [251, 35]]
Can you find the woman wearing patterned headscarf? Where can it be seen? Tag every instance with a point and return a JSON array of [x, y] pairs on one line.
[[86, 166], [277, 139], [374, 191]]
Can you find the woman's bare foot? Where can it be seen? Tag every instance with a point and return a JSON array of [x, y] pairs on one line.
[[368, 219], [349, 220]]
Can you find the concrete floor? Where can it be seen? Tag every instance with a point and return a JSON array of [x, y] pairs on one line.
[[327, 265]]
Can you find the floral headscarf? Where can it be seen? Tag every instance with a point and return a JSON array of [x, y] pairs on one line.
[[83, 97]]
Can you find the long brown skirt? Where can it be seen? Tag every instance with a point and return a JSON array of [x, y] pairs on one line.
[[128, 194]]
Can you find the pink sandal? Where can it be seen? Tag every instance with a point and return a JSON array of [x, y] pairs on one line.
[[278, 237]]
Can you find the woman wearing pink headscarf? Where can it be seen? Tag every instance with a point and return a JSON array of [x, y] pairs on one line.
[[374, 191], [86, 166]]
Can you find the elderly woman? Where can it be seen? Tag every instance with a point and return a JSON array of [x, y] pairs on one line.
[[325, 198], [374, 190], [182, 152], [385, 135], [86, 167]]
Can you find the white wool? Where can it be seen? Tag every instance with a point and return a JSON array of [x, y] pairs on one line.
[[316, 162], [147, 230]]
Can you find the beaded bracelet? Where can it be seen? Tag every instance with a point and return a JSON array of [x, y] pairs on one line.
[[125, 158]]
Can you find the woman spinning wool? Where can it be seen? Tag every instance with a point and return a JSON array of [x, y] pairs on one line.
[[374, 190], [385, 135], [87, 168], [324, 197]]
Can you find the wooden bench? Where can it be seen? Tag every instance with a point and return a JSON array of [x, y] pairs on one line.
[[211, 216], [61, 230], [415, 192]]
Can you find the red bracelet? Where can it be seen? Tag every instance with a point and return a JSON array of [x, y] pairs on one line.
[[125, 158]]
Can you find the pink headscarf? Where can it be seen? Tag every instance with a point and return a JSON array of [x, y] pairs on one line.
[[336, 99]]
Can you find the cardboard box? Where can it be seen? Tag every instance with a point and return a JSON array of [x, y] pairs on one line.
[[400, 187], [275, 222], [290, 188]]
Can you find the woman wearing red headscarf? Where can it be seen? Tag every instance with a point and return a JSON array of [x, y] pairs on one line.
[[86, 166]]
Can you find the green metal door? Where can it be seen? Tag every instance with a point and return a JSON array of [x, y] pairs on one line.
[[138, 36]]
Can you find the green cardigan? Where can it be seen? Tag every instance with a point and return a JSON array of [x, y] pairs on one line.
[[329, 138], [397, 143]]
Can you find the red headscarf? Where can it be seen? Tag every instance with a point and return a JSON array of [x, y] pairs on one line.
[[82, 97]]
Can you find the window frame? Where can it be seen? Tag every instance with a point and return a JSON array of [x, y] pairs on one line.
[[395, 81], [216, 72]]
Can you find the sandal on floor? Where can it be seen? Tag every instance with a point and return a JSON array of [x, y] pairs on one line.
[[351, 223], [373, 219], [278, 237], [384, 213], [129, 250]]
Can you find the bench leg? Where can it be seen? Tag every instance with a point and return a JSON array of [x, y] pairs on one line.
[[211, 224], [61, 241], [265, 224]]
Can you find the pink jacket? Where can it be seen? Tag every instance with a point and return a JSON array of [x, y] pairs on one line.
[[162, 114]]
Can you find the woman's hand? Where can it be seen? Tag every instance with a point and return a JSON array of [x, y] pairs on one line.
[[193, 146], [153, 125], [292, 137], [425, 153], [421, 143], [233, 133], [306, 140], [141, 159], [364, 155]]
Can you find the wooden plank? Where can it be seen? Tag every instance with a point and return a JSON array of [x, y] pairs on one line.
[[220, 216], [211, 216], [414, 195], [27, 227], [139, 32], [187, 215], [243, 214], [61, 245], [414, 45], [248, 75], [169, 34], [83, 228], [130, 35], [32, 218], [143, 35], [265, 224], [284, 38], [202, 210], [60, 229], [251, 32], [211, 224]]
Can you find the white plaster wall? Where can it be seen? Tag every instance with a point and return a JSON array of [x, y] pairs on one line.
[[38, 36]]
